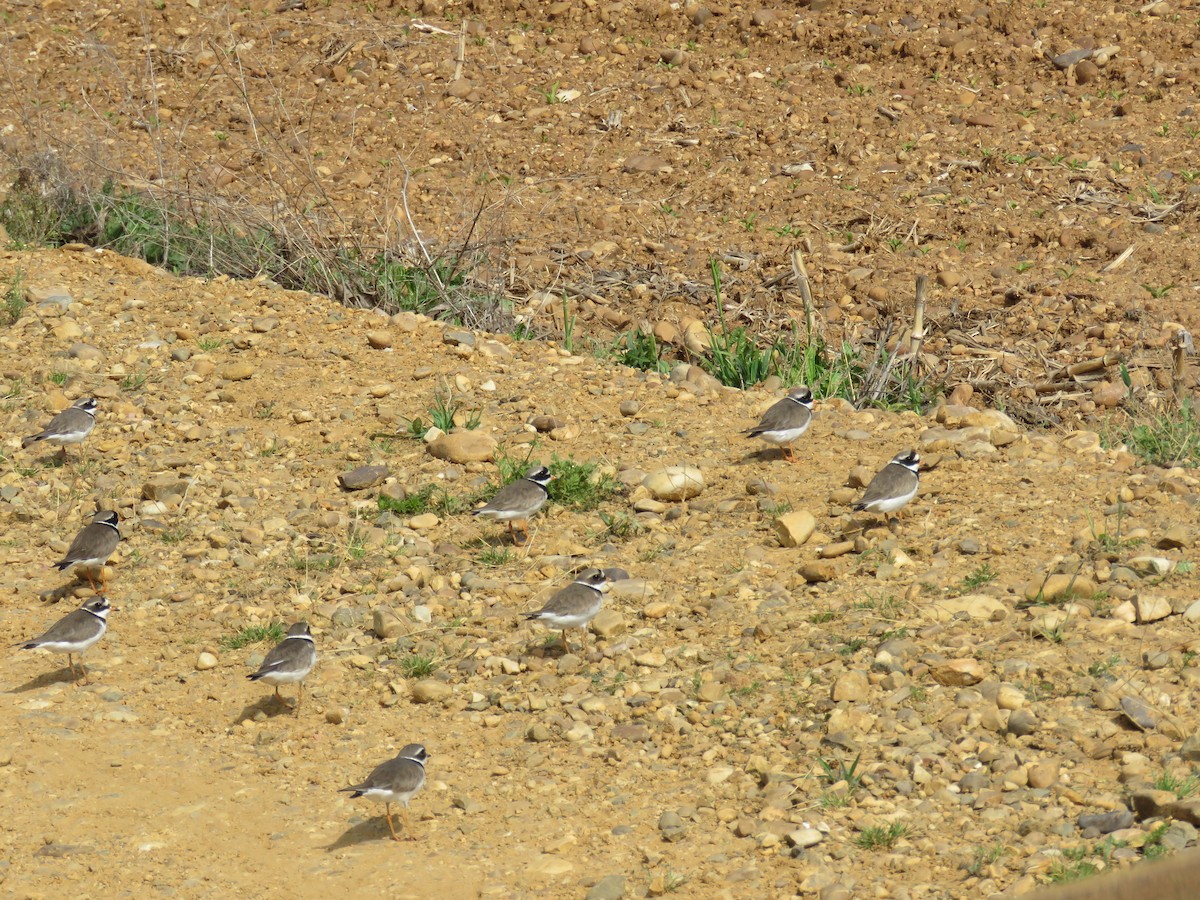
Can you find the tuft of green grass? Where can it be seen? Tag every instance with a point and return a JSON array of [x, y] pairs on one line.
[[445, 410], [984, 574], [983, 857], [580, 486], [411, 504], [417, 665], [639, 350], [208, 344], [1182, 786], [254, 634], [620, 525], [1166, 438], [13, 300], [59, 378], [494, 557], [880, 837]]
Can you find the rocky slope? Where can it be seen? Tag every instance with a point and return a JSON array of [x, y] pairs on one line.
[[778, 691]]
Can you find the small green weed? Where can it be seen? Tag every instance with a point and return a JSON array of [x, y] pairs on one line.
[[580, 485], [1182, 786], [984, 574], [880, 837], [1165, 438], [59, 378], [13, 301], [417, 665], [494, 557], [640, 350], [984, 857], [620, 525], [254, 634]]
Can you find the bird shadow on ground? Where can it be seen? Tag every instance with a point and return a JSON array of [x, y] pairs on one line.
[[366, 831], [45, 680], [268, 706]]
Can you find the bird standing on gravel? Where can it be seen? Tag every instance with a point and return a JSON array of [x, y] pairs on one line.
[[575, 605], [70, 426], [893, 486], [517, 501], [289, 662], [396, 780], [786, 421], [74, 633], [92, 547]]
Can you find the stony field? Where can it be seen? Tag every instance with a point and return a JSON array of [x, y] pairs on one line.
[[784, 698]]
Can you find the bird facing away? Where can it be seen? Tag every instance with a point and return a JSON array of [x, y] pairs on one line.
[[893, 486], [70, 426], [518, 500], [289, 662], [396, 780], [92, 547], [575, 605], [74, 633], [786, 421]]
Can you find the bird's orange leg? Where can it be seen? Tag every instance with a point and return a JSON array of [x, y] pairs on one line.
[[388, 814]]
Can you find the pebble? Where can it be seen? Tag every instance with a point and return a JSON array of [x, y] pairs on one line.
[[464, 447], [675, 483], [431, 690], [794, 528], [235, 371], [610, 887], [206, 661], [379, 340], [363, 477], [608, 624], [671, 826]]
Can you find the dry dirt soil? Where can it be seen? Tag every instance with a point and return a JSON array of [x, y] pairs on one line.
[[920, 714]]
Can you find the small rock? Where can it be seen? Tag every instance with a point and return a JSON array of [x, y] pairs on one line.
[[851, 687], [794, 528], [958, 673], [363, 477], [1060, 587], [805, 837], [653, 659], [431, 690], [1022, 722], [423, 521], [206, 661], [387, 625], [538, 733], [1151, 608], [976, 606], [336, 715], [458, 338], [464, 447], [629, 408], [1107, 823], [1150, 566], [818, 571], [675, 483], [1190, 749], [608, 624], [1139, 713], [1043, 775], [1175, 538], [379, 340], [610, 887], [235, 371], [671, 826]]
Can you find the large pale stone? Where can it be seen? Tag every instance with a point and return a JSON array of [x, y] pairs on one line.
[[794, 528], [464, 447], [675, 483]]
